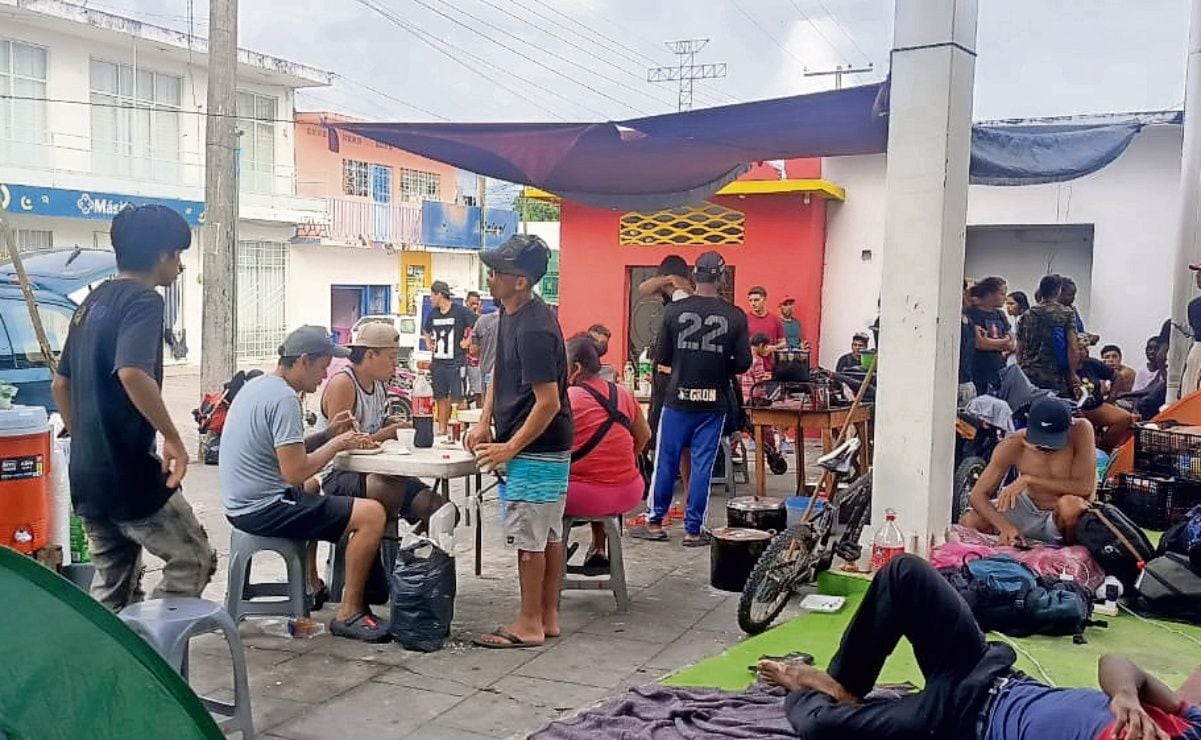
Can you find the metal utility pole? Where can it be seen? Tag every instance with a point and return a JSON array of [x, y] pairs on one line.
[[219, 235], [687, 70], [838, 72], [1188, 224], [481, 186]]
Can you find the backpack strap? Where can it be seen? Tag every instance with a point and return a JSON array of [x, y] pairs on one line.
[[1117, 533], [609, 404]]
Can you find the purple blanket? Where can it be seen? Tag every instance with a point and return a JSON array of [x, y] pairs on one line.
[[656, 712]]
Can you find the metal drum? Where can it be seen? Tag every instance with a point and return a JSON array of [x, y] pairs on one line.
[[733, 554], [755, 512]]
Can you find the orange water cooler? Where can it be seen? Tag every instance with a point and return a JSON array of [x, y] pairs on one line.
[[25, 478]]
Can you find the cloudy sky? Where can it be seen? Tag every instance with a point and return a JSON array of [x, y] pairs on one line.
[[493, 60]]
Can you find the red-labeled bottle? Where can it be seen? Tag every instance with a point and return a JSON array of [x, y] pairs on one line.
[[888, 542]]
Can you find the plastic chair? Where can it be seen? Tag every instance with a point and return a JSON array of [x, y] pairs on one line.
[[335, 564], [239, 599], [616, 581], [726, 461], [169, 624]]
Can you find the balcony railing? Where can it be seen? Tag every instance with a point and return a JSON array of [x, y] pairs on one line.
[[364, 222]]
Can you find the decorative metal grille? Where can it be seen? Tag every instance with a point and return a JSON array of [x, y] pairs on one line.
[[702, 225], [262, 275]]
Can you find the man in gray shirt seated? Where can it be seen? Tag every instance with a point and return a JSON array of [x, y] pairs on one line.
[[266, 459]]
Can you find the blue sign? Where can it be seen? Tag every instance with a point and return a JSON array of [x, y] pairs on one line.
[[36, 201], [458, 227]]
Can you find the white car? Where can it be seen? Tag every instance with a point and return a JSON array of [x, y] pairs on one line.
[[406, 326]]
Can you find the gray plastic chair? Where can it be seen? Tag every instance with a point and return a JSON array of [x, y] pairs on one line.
[[285, 599], [616, 581], [335, 564], [169, 624]]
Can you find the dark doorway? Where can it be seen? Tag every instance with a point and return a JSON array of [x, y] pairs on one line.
[[646, 313]]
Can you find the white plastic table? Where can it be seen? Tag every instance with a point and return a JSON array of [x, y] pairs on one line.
[[442, 462]]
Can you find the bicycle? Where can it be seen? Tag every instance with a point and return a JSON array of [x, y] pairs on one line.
[[798, 554]]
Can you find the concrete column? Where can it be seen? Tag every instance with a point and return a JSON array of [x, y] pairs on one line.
[[1188, 224], [929, 139]]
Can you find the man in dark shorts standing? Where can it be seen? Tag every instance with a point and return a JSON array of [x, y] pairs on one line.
[[528, 402], [266, 460], [445, 329], [108, 390], [704, 341]]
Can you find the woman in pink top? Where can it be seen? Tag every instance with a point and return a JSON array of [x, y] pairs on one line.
[[610, 431]]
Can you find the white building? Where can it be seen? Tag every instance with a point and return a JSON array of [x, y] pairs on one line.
[[1112, 231], [105, 110]]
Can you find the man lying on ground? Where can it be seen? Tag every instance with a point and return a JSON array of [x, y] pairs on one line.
[[1057, 476], [971, 689]]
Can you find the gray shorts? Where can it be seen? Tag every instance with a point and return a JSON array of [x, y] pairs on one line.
[[1033, 522], [531, 527], [475, 381]]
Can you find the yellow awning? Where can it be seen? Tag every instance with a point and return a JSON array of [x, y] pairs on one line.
[[821, 188]]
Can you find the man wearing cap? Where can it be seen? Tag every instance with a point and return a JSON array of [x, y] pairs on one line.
[[527, 401], [266, 461], [1055, 456], [704, 341], [445, 329], [794, 337], [359, 390], [108, 388]]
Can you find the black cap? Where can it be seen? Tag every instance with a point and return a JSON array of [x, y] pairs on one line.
[[440, 286], [1048, 423], [311, 340], [522, 254], [709, 267], [674, 264]]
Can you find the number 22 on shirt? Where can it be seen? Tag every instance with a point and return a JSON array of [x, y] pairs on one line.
[[691, 324]]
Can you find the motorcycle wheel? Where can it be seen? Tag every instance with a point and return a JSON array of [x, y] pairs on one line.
[[776, 462], [966, 474], [402, 408], [774, 578]]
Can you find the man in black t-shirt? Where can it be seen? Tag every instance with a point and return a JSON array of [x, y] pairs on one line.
[[527, 400], [704, 340], [444, 328], [108, 389]]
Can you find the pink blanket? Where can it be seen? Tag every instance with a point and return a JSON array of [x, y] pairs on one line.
[[1047, 560]]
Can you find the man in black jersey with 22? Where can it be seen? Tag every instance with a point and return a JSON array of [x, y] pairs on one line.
[[705, 343]]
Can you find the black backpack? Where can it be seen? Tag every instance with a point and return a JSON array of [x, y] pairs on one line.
[[1171, 587], [1006, 596], [1116, 543], [1184, 538]]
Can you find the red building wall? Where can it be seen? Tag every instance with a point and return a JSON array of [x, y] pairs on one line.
[[783, 250]]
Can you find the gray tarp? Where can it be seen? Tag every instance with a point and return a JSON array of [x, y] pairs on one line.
[[1030, 155]]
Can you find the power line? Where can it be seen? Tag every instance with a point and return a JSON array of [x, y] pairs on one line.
[[391, 97], [833, 18], [817, 30], [766, 32]]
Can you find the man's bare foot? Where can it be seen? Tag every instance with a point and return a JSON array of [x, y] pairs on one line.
[[795, 675], [550, 624], [519, 630]]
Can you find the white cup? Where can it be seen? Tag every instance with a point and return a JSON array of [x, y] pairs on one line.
[[405, 437]]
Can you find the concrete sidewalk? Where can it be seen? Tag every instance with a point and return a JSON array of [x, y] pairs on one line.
[[327, 687]]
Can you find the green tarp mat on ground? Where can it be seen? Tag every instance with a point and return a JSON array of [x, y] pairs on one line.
[[69, 668], [1170, 651]]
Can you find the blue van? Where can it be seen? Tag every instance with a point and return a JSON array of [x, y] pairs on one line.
[[60, 279]]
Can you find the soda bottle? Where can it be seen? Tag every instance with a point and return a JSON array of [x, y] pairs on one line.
[[629, 376], [423, 412], [888, 542]]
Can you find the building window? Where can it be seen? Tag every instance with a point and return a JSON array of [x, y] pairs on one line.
[[24, 141], [257, 116], [419, 185], [135, 122], [356, 178], [262, 269]]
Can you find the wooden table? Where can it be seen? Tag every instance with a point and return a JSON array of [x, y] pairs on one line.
[[795, 418], [441, 462]]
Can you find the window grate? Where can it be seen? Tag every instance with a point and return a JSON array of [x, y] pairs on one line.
[[262, 279], [701, 225], [417, 185], [356, 178]]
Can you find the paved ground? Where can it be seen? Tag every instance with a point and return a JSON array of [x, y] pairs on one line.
[[327, 687]]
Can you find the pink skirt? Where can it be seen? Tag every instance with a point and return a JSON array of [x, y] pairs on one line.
[[597, 499]]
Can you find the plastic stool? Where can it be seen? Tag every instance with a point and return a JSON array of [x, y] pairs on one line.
[[241, 592], [335, 564], [169, 624], [727, 457], [616, 582]]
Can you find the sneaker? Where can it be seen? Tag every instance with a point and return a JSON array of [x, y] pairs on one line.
[[363, 627]]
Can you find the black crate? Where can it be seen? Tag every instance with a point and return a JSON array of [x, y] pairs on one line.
[[1155, 502], [1167, 453]]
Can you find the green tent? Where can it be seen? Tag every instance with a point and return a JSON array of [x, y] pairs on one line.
[[69, 668]]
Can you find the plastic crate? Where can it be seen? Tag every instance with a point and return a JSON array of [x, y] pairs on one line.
[[1167, 453], [1155, 502]]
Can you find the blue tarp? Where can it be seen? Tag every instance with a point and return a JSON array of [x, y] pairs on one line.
[[1029, 155]]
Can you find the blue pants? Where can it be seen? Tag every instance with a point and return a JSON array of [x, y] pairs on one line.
[[699, 431]]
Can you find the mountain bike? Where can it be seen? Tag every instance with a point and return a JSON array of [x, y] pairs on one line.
[[798, 554]]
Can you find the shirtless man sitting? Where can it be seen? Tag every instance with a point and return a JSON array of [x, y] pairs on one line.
[[1057, 476]]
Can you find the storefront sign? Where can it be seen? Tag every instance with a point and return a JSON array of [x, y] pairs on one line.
[[36, 201], [458, 227]]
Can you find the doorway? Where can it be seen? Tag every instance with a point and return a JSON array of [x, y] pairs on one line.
[[1024, 254], [349, 303], [646, 313]]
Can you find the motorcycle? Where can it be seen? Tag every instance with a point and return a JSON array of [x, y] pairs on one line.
[[399, 390]]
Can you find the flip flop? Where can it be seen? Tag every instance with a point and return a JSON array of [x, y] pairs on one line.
[[643, 533], [513, 641], [363, 627], [701, 540]]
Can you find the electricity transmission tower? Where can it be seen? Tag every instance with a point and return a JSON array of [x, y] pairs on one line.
[[686, 70], [838, 73]]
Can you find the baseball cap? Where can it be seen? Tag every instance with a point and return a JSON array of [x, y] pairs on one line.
[[440, 286], [674, 264], [311, 340], [709, 267], [523, 254], [787, 299], [1048, 423], [376, 335]]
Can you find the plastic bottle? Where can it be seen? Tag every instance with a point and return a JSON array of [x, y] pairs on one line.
[[423, 412], [629, 376], [644, 366], [293, 628], [79, 541], [888, 542]]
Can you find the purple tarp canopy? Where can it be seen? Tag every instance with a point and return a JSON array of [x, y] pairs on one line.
[[656, 162]]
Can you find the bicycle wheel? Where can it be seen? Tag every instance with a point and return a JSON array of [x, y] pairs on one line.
[[774, 577]]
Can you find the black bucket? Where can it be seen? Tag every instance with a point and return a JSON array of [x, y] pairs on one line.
[[733, 554]]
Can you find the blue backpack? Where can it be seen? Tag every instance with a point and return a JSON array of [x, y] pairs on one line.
[[1006, 596], [1184, 538]]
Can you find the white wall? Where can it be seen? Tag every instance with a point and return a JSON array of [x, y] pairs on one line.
[[1131, 205], [312, 270], [460, 270], [548, 230]]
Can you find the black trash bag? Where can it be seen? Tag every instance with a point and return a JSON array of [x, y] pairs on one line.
[[423, 599]]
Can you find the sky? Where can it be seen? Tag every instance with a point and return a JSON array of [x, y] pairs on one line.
[[547, 60]]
